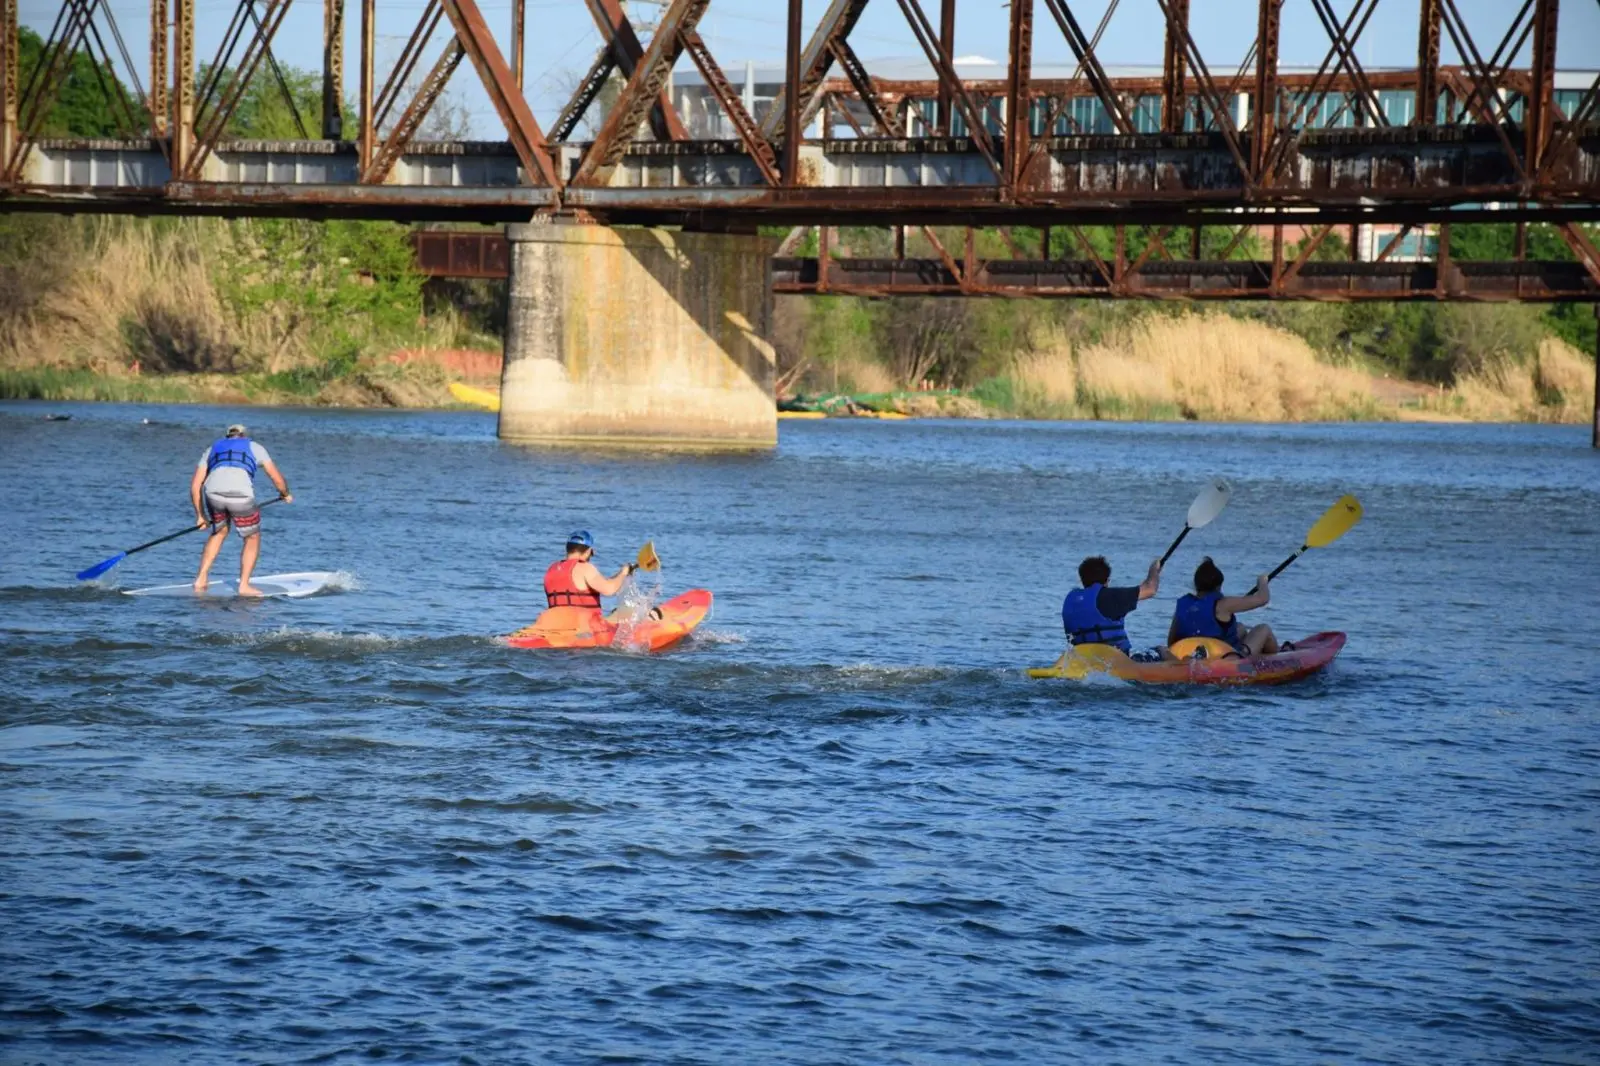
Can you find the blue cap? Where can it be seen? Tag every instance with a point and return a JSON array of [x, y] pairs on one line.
[[581, 538]]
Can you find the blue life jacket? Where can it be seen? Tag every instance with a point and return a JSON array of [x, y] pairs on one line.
[[1081, 617], [232, 451], [1196, 616]]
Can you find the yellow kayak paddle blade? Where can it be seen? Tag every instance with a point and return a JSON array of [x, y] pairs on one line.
[[648, 559], [1345, 513]]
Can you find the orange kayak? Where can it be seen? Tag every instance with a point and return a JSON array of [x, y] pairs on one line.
[[571, 627], [1304, 659]]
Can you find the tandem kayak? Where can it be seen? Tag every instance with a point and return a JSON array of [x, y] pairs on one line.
[[571, 627], [1217, 667]]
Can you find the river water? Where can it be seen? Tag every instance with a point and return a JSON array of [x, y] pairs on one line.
[[839, 826]]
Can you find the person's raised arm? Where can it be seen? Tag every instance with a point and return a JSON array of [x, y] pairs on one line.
[[1259, 596], [598, 582], [1152, 581], [278, 481]]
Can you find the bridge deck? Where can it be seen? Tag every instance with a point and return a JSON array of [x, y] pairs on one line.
[[1397, 174]]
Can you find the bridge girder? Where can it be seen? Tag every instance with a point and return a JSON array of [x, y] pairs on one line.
[[1486, 131]]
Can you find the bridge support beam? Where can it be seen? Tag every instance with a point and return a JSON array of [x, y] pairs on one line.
[[638, 336]]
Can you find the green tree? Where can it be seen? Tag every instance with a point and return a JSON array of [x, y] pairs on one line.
[[82, 106]]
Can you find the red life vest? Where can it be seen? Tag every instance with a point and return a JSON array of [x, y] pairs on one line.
[[561, 591]]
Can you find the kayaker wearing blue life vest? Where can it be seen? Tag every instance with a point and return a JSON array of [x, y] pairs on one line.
[[223, 488], [1097, 613], [1206, 612]]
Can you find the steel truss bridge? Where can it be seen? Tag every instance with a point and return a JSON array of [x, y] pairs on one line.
[[1255, 149]]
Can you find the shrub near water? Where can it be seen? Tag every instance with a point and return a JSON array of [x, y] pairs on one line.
[[291, 310], [1193, 366], [1556, 385]]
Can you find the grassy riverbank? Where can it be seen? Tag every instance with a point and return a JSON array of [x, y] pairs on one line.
[[286, 312], [206, 310]]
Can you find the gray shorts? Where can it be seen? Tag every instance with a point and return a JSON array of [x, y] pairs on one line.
[[240, 512]]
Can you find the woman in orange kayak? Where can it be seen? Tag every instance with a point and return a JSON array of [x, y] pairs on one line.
[[1206, 612]]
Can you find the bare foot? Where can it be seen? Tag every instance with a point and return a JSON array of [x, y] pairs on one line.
[[200, 586], [250, 590]]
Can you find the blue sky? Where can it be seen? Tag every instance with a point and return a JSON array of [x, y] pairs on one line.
[[562, 39]]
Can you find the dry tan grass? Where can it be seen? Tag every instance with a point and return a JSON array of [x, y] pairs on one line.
[[136, 295], [858, 375], [1047, 371], [1565, 380], [1197, 366], [1555, 386]]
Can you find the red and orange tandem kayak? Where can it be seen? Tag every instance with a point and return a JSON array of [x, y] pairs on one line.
[[573, 627], [1216, 667]]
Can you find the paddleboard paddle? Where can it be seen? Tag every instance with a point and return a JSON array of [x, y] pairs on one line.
[[101, 567], [1334, 523], [1206, 506]]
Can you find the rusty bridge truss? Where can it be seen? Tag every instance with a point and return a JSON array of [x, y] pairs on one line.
[[1284, 157]]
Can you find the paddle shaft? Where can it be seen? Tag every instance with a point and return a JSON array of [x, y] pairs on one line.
[[1285, 564], [95, 571], [1185, 533]]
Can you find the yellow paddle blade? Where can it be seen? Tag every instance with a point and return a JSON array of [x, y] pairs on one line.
[[648, 559], [1345, 513]]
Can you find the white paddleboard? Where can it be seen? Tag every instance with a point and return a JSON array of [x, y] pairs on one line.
[[292, 586]]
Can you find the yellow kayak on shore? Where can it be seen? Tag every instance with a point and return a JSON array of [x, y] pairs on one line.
[[489, 401]]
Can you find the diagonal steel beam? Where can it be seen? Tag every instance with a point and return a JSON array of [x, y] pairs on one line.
[[67, 35], [1483, 74], [626, 50], [1214, 99], [1084, 51], [218, 68], [1565, 129], [588, 88], [1487, 76], [283, 83], [410, 55], [887, 122], [405, 128], [1344, 41], [744, 125], [216, 121], [815, 60], [1059, 104], [639, 94], [944, 65], [1295, 125], [501, 85], [1584, 249]]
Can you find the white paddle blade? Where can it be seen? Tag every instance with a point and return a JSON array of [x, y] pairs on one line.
[[1206, 506]]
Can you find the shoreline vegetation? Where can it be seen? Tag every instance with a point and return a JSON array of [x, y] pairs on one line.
[[283, 311], [303, 313]]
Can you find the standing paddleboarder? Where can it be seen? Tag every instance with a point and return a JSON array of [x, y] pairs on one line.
[[223, 487]]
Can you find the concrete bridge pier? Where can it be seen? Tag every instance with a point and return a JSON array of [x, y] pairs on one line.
[[638, 336]]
